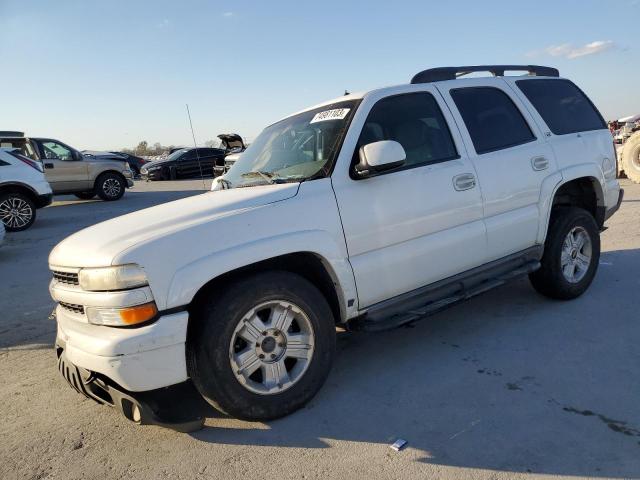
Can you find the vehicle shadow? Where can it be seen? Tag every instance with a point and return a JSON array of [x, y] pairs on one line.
[[509, 381]]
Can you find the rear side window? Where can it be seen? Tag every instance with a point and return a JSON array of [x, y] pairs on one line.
[[562, 105], [492, 119]]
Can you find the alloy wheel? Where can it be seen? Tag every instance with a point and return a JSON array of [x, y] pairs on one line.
[[271, 347], [15, 213], [111, 187], [575, 259]]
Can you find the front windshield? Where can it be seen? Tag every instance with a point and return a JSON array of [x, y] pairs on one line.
[[295, 149]]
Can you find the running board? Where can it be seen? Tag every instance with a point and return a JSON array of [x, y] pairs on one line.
[[434, 298]]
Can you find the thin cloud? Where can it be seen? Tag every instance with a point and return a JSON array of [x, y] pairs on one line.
[[228, 14], [569, 51], [163, 24]]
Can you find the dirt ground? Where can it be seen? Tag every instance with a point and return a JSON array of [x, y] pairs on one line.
[[509, 384]]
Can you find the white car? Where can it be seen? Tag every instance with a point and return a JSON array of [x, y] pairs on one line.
[[23, 189], [367, 211]]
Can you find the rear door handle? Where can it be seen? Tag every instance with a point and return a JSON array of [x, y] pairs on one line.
[[48, 165], [464, 181], [539, 163]]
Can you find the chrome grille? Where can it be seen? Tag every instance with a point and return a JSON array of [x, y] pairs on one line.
[[72, 307], [69, 278]]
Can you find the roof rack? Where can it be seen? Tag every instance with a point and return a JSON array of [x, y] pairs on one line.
[[451, 73]]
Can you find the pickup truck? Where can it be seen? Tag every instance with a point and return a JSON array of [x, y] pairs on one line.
[[368, 211], [68, 171]]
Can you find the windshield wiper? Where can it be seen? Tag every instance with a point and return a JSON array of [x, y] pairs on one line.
[[225, 183], [268, 176]]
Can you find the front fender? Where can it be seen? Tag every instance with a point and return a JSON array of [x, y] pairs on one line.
[[191, 277]]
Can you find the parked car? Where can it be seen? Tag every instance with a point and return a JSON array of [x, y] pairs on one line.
[[70, 172], [233, 145], [368, 211], [135, 163], [184, 163], [23, 189]]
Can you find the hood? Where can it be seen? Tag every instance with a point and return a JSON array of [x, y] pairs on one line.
[[99, 245], [153, 163], [96, 155]]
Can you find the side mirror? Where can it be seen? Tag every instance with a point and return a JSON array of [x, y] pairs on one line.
[[77, 156], [379, 156]]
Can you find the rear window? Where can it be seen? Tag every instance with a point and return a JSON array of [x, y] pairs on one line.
[[492, 119], [562, 105]]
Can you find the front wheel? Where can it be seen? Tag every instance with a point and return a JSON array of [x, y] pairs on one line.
[[17, 211], [263, 347], [110, 186], [571, 254]]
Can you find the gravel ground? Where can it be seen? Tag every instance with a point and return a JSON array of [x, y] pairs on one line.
[[507, 385]]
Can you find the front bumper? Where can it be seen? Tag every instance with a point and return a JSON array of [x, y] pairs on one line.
[[152, 175], [178, 407], [138, 359], [44, 200], [129, 183]]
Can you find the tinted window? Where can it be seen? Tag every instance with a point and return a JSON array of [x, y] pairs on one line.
[[492, 119], [562, 105], [189, 155], [416, 122]]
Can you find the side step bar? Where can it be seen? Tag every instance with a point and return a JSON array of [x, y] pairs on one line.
[[436, 297]]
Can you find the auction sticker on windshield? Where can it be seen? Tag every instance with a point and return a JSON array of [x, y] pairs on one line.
[[335, 114]]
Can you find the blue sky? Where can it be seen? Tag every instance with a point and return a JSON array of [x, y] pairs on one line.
[[107, 74]]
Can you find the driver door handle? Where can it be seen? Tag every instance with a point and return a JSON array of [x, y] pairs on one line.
[[48, 165], [464, 181]]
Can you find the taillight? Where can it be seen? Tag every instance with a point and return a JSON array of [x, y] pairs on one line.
[[28, 161]]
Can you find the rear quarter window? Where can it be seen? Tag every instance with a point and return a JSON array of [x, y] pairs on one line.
[[562, 105]]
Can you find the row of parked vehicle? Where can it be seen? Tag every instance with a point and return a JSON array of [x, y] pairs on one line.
[[195, 162], [32, 170]]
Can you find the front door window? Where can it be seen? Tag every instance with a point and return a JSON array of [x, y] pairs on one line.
[[56, 151]]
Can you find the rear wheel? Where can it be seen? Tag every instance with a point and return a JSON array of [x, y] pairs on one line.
[[263, 347], [631, 158], [571, 254], [17, 211], [85, 195], [110, 186]]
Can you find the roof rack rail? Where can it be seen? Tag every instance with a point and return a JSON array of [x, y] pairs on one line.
[[451, 73]]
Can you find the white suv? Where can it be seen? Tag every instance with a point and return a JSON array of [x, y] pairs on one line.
[[367, 211], [23, 189]]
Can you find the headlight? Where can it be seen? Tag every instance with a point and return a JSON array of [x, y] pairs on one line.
[[121, 277], [122, 317]]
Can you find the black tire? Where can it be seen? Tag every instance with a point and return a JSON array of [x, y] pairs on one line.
[[550, 280], [110, 186], [17, 211], [631, 158], [85, 195], [210, 336]]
